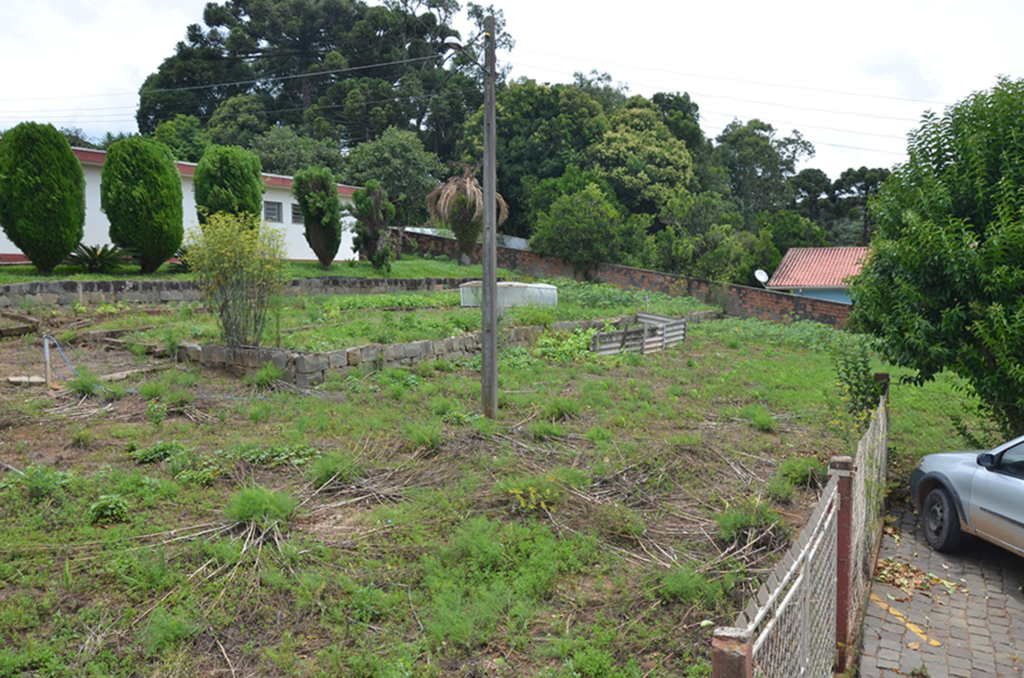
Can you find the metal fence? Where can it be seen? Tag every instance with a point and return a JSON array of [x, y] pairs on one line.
[[800, 622], [656, 334]]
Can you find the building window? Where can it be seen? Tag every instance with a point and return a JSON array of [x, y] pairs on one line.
[[272, 211], [297, 214]]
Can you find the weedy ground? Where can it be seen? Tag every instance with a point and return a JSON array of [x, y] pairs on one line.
[[188, 522]]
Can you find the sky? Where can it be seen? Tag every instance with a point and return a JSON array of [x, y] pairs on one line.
[[854, 78]]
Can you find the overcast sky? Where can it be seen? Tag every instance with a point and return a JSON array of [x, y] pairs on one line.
[[854, 78]]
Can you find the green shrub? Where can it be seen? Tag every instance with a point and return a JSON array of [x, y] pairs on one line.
[[333, 468], [260, 506], [428, 436], [759, 416], [140, 193], [373, 212], [167, 630], [238, 264], [695, 589], [228, 179], [39, 482], [85, 383], [265, 376], [737, 522], [317, 194], [109, 508], [806, 471], [156, 452], [42, 194], [781, 489]]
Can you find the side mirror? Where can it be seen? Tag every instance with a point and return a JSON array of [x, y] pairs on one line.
[[987, 460]]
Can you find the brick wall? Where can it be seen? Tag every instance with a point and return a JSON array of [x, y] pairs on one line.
[[737, 301]]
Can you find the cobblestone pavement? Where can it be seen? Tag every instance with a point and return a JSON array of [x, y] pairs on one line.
[[974, 630]]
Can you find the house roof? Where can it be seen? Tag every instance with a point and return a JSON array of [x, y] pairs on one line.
[[804, 267], [96, 157]]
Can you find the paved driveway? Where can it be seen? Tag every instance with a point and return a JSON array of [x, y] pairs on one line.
[[975, 629]]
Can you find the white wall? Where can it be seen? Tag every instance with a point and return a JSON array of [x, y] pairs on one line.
[[97, 228]]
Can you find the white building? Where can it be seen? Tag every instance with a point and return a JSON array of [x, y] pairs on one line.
[[279, 209]]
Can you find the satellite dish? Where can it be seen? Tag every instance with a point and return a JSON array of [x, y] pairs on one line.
[[761, 276]]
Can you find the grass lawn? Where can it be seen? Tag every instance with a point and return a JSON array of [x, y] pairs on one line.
[[407, 267], [186, 522]]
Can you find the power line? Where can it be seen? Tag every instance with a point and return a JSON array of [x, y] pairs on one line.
[[751, 82]]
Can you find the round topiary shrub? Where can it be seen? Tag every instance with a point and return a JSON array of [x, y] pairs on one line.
[[42, 194], [228, 179], [141, 195]]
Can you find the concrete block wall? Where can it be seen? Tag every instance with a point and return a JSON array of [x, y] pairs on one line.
[[737, 301]]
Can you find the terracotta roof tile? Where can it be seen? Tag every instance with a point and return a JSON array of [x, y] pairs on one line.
[[817, 267]]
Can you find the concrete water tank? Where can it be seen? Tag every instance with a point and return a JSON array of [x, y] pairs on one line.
[[510, 294]]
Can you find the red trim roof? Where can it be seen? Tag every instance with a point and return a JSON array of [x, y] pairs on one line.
[[817, 267], [189, 169]]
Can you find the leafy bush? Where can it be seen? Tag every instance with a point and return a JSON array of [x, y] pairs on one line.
[[85, 383], [564, 346], [154, 453], [317, 194], [238, 264], [261, 507], [39, 482], [229, 179], [42, 194], [851, 359], [109, 508], [582, 228], [140, 193], [336, 467]]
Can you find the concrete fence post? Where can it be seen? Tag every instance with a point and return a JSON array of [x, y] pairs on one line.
[[843, 468], [732, 653]]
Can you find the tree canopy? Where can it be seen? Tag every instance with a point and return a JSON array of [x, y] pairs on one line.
[[941, 287]]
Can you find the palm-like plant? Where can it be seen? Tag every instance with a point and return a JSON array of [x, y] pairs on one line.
[[459, 204]]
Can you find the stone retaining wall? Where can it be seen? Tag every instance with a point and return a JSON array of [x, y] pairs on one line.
[[98, 292], [309, 369]]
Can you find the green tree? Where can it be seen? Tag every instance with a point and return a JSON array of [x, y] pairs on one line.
[[541, 129], [406, 172], [641, 160], [184, 136], [373, 212], [459, 204], [228, 179], [789, 229], [282, 150], [582, 229], [941, 286], [237, 121], [42, 194], [140, 192], [759, 165], [317, 194], [854, 188], [540, 196]]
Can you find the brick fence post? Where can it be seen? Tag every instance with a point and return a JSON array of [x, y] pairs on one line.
[[732, 653], [843, 467]]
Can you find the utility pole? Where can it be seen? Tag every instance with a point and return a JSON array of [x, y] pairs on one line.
[[489, 298]]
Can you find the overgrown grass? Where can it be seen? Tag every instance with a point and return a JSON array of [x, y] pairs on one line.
[[380, 527]]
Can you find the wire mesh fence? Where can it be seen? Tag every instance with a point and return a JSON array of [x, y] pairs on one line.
[[799, 622]]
